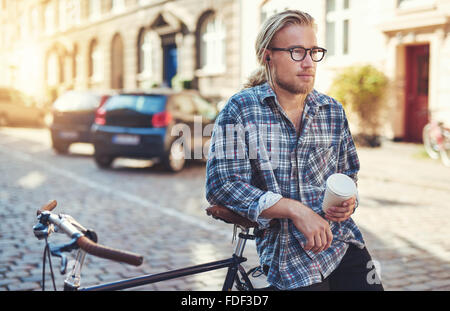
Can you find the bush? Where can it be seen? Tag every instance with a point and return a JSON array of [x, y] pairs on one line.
[[361, 89], [178, 83]]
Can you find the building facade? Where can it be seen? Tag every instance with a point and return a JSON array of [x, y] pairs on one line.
[[49, 46]]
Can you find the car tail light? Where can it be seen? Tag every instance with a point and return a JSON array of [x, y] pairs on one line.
[[161, 119], [103, 100], [100, 116]]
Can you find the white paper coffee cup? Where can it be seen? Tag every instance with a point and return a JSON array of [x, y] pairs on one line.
[[340, 188]]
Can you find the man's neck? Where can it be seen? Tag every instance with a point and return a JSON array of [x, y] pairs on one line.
[[289, 101]]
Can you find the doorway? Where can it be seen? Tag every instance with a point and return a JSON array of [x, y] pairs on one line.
[[416, 91], [170, 63]]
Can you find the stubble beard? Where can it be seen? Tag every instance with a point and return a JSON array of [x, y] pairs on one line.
[[295, 88]]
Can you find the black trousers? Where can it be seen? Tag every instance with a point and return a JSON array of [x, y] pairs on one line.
[[356, 272]]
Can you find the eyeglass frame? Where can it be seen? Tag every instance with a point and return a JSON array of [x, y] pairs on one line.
[[291, 49]]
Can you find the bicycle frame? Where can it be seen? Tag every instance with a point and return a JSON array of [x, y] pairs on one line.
[[72, 282]]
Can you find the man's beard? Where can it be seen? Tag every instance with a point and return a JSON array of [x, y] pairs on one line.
[[295, 88]]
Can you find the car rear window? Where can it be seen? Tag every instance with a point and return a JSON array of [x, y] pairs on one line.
[[147, 104], [73, 101]]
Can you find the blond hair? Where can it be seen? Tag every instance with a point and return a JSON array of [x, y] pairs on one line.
[[268, 30]]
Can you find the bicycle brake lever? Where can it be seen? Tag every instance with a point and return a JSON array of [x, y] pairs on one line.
[[42, 231], [58, 250]]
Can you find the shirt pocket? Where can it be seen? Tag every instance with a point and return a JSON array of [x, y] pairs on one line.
[[321, 163]]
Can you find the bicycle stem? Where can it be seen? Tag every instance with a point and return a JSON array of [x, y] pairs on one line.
[[73, 280]]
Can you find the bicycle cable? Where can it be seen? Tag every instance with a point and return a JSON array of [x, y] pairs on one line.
[[47, 252]]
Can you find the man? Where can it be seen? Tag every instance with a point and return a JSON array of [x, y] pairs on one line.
[[308, 250]]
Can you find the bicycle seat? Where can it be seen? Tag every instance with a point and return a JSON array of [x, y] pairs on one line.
[[225, 214]]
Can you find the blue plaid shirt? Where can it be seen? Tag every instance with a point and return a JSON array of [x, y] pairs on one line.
[[242, 177]]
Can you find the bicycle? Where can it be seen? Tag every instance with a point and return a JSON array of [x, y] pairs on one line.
[[436, 140], [84, 241]]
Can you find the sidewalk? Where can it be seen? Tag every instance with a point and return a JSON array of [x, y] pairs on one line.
[[404, 212]]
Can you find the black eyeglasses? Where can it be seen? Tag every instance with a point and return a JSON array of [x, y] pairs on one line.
[[298, 53]]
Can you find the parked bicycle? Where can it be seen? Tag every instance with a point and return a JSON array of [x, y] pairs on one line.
[[436, 140], [84, 241]]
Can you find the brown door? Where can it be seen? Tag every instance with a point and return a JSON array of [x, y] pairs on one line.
[[416, 108]]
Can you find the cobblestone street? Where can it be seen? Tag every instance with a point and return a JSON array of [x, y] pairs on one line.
[[403, 215]]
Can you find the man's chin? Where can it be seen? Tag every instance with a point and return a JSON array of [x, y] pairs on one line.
[[297, 89]]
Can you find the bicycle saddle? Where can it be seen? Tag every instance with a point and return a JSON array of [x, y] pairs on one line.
[[225, 214]]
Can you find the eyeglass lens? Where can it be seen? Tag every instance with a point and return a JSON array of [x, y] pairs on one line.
[[316, 54]]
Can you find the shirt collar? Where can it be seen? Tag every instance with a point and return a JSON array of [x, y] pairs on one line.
[[314, 98]]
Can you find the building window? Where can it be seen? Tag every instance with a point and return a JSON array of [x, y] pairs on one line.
[[62, 9], [272, 7], [212, 45], [49, 20], [73, 11], [23, 29], [407, 4], [95, 63], [337, 27], [95, 9], [34, 25], [118, 6]]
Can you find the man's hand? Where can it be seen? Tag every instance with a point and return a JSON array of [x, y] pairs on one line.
[[341, 213], [315, 229]]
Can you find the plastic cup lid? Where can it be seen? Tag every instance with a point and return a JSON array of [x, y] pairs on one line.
[[341, 184]]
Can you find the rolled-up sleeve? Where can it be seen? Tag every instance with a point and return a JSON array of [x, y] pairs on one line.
[[229, 172]]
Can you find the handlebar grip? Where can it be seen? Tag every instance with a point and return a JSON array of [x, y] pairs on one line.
[[47, 207], [109, 253]]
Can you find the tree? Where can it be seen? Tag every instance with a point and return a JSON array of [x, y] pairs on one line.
[[362, 90]]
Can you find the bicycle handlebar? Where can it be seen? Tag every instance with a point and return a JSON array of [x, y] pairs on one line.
[[85, 243], [50, 206], [108, 253]]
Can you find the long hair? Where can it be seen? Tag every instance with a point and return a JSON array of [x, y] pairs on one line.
[[268, 30]]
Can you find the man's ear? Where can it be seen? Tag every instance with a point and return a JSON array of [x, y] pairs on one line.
[[267, 56]]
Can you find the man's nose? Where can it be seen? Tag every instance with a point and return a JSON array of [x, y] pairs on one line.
[[307, 61]]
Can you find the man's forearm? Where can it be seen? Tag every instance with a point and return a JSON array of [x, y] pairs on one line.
[[284, 208], [315, 229]]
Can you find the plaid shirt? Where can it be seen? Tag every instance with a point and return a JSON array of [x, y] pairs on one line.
[[298, 168]]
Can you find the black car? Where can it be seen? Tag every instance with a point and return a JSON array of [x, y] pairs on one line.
[[73, 115], [147, 125], [17, 108]]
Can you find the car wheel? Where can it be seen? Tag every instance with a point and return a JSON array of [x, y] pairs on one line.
[[103, 161], [175, 159]]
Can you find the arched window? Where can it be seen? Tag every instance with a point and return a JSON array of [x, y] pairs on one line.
[[212, 45], [95, 63]]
